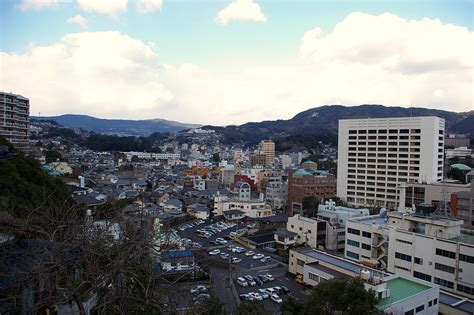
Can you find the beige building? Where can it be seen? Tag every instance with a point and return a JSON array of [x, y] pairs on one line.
[[267, 147], [250, 208], [423, 245], [377, 155], [14, 114]]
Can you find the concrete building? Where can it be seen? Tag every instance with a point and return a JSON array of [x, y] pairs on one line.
[[456, 141], [285, 161], [462, 207], [305, 183], [276, 194], [396, 294], [258, 159], [338, 214], [376, 155], [428, 193], [458, 152], [250, 208], [14, 114], [421, 244], [149, 155], [242, 191], [267, 148]]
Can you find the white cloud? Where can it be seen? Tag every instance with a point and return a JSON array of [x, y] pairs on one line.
[[79, 20], [108, 7], [26, 5], [148, 6], [240, 10], [365, 59]]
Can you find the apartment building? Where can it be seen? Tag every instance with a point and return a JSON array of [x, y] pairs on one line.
[[395, 294], [421, 244], [305, 183], [149, 155], [462, 207], [376, 155], [267, 148], [14, 114], [250, 208]]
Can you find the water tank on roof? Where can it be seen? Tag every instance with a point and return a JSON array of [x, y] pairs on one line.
[[365, 275]]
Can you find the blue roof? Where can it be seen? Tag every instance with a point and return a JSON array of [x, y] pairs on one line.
[[177, 254]]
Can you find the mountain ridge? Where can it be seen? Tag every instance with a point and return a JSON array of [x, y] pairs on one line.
[[126, 127]]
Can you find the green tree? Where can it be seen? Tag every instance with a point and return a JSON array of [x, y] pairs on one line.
[[341, 296], [212, 307], [52, 156], [135, 158], [292, 307], [310, 205]]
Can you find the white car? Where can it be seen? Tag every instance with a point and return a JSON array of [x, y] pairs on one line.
[[265, 259], [221, 241], [255, 296], [257, 256], [263, 293], [269, 277], [249, 253], [232, 234], [276, 298], [270, 291], [236, 260], [214, 252], [242, 282]]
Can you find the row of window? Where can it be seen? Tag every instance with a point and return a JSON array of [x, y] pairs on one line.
[[370, 154], [352, 254], [403, 256], [392, 137], [353, 231], [466, 258], [444, 268], [444, 283], [403, 241], [445, 253], [372, 131], [422, 276]]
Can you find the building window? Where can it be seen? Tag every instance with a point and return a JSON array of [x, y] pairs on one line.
[[444, 268], [352, 243], [445, 253], [403, 256], [421, 276], [352, 255], [466, 258], [435, 301], [299, 262], [444, 283], [418, 261], [465, 289], [410, 312], [420, 308], [404, 242], [402, 268], [366, 234], [353, 231], [366, 246], [313, 277]]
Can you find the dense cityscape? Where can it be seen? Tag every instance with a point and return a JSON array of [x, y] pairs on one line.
[[236, 157]]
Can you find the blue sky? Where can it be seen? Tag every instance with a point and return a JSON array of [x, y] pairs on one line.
[[187, 33]]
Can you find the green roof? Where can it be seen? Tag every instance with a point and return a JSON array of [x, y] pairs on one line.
[[309, 162], [400, 289], [301, 172], [462, 167]]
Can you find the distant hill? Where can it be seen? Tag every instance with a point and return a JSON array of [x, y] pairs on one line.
[[118, 126], [322, 122]]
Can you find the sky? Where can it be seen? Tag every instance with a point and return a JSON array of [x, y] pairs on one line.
[[234, 61]]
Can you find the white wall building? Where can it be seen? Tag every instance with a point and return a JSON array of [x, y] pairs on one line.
[[149, 155], [458, 152], [424, 246], [376, 155]]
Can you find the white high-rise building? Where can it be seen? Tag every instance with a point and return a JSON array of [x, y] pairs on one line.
[[376, 155]]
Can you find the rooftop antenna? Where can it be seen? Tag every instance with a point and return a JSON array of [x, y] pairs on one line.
[[442, 209]]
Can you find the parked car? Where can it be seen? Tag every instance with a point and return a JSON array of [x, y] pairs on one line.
[[278, 290], [242, 282], [232, 234], [285, 289], [269, 276], [265, 259], [214, 252], [257, 256], [258, 281], [202, 296], [263, 278], [256, 296], [249, 253], [224, 256], [244, 297], [270, 291], [250, 281], [263, 293], [236, 260], [276, 298], [198, 289]]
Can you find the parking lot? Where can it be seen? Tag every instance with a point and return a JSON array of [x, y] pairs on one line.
[[246, 266]]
